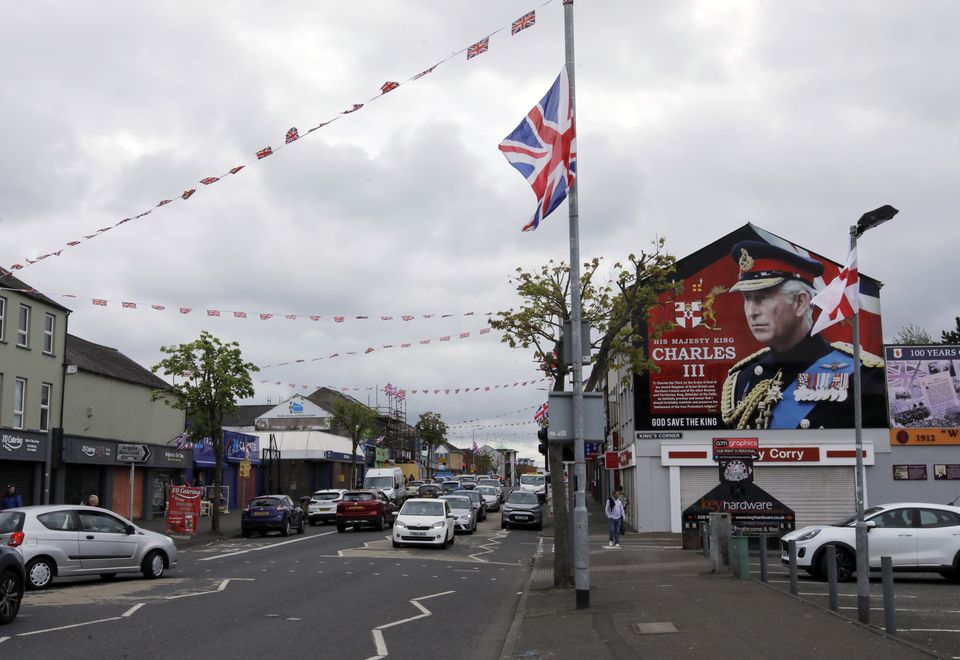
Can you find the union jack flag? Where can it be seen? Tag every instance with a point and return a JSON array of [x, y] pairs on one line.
[[388, 86], [484, 331], [213, 312], [234, 170], [100, 301], [164, 202], [543, 148], [425, 72], [481, 46], [263, 153], [525, 21], [239, 315], [292, 135], [209, 180], [543, 412], [356, 106], [901, 374], [128, 305], [265, 317], [159, 308], [186, 193], [186, 310]]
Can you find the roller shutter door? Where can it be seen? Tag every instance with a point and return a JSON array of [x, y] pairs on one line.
[[817, 495], [19, 474]]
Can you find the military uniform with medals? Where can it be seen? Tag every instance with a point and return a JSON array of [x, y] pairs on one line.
[[808, 386]]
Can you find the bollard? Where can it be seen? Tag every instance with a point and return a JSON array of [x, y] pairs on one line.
[[832, 576], [763, 557], [889, 608], [794, 585], [740, 556]]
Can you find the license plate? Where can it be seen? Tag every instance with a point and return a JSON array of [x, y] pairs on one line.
[[418, 533], [261, 513], [523, 517], [354, 508]]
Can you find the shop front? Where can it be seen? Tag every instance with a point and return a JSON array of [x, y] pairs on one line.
[[238, 449], [22, 456], [88, 467]]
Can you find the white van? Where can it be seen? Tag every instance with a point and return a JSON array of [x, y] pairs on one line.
[[389, 480]]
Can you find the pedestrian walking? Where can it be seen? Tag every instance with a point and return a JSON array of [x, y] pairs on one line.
[[93, 500], [12, 499], [614, 512]]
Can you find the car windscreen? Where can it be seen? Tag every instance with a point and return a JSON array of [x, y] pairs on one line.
[[11, 521], [532, 479], [487, 490], [359, 497], [473, 495], [378, 482], [422, 509], [265, 501], [459, 503], [522, 497], [489, 482], [326, 495], [852, 518]]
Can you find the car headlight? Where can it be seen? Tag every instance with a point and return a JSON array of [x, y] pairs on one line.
[[809, 534], [438, 524], [400, 524]]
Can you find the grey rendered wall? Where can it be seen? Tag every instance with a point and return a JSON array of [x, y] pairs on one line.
[[107, 408], [881, 488]]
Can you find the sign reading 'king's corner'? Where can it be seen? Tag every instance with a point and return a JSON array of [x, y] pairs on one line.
[[735, 348]]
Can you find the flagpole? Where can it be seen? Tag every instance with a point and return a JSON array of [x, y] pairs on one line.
[[581, 555]]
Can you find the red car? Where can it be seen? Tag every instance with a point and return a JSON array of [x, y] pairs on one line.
[[370, 508]]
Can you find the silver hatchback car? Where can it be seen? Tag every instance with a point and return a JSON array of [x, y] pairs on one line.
[[65, 540]]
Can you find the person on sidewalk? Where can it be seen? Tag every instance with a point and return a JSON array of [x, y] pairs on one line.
[[614, 512], [12, 499]]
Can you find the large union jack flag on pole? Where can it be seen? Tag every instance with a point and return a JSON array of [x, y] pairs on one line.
[[543, 148]]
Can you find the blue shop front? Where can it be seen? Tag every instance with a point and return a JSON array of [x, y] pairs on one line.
[[237, 448]]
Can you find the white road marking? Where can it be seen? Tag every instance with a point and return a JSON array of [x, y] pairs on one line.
[[378, 638], [265, 547], [494, 539], [221, 587], [83, 623], [949, 630], [3, 639]]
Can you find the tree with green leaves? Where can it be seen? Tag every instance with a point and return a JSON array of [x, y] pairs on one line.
[[432, 431], [951, 336], [913, 335], [357, 421], [209, 376], [617, 310]]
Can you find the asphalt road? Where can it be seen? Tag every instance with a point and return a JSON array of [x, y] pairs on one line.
[[319, 595]]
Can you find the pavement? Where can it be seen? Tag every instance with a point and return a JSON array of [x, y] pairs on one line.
[[651, 599], [229, 528]]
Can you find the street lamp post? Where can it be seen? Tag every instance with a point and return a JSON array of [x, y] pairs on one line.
[[869, 220]]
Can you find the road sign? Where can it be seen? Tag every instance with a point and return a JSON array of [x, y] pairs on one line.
[[131, 453]]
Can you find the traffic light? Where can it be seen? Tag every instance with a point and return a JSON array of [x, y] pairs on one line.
[[542, 436]]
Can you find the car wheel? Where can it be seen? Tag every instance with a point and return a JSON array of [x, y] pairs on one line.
[[380, 524], [153, 565], [301, 529], [846, 564], [11, 590], [285, 530], [40, 573], [341, 528], [503, 525]]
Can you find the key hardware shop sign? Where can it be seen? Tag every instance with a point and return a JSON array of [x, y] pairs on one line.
[[753, 511]]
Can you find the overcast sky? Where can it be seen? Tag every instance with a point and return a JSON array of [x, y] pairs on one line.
[[693, 119]]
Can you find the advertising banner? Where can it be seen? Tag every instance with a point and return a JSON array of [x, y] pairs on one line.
[[183, 510], [923, 386], [753, 511], [735, 349]]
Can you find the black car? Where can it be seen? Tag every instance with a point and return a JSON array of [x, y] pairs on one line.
[[428, 490], [268, 513], [12, 580]]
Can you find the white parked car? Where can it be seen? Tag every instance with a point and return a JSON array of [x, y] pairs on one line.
[[323, 505], [918, 537], [64, 540], [424, 521]]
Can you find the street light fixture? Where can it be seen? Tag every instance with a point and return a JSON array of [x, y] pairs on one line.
[[869, 220]]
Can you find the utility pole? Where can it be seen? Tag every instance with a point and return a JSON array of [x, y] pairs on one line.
[[580, 551]]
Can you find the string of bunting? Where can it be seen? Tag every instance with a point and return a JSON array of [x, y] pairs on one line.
[[480, 419], [371, 349], [527, 20], [497, 426], [445, 391], [237, 314]]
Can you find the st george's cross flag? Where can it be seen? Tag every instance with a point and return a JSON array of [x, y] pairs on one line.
[[840, 299], [543, 148]]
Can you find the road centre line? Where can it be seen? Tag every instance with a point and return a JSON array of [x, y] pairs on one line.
[[221, 587], [83, 623], [266, 547]]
